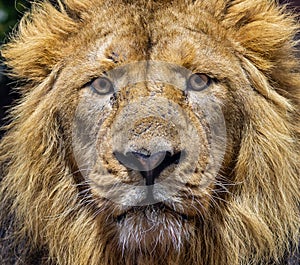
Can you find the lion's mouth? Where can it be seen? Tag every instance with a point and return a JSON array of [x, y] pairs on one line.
[[152, 213]]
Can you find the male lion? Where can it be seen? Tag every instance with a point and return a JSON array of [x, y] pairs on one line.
[[152, 132]]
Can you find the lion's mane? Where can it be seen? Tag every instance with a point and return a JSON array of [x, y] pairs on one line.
[[42, 215]]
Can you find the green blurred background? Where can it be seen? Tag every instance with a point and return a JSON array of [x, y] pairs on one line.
[[10, 13]]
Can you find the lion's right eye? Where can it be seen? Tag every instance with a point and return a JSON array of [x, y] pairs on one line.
[[102, 86], [198, 82]]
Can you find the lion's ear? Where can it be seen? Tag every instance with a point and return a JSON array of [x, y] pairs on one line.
[[263, 34], [262, 29], [38, 43]]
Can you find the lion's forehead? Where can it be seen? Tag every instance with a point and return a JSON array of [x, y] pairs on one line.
[[175, 35]]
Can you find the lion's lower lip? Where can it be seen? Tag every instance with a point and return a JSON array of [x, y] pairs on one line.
[[158, 209]]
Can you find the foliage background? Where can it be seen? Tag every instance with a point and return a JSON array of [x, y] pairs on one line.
[[10, 13]]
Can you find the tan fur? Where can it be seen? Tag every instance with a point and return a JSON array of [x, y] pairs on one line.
[[250, 215]]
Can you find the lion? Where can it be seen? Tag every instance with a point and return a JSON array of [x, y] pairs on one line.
[[152, 132]]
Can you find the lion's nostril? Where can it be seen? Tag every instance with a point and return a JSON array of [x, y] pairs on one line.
[[150, 166], [147, 162]]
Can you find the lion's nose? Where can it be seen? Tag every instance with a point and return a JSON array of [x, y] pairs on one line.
[[150, 166]]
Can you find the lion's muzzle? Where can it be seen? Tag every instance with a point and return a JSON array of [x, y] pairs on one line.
[[150, 166]]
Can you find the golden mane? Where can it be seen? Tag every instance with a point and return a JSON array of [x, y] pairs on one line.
[[41, 207]]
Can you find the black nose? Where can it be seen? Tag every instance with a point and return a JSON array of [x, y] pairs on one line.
[[150, 166]]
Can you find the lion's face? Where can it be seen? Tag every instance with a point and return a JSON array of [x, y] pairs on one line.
[[155, 130]]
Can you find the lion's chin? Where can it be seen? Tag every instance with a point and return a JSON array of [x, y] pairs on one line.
[[153, 214], [154, 229]]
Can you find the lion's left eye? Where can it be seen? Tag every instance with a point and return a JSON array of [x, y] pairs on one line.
[[102, 86], [198, 82]]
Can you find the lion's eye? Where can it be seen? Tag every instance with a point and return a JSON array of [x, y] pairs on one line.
[[102, 86], [198, 82]]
